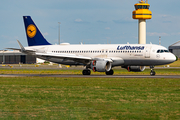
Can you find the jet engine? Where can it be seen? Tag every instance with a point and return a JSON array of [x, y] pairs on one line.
[[101, 66], [135, 68]]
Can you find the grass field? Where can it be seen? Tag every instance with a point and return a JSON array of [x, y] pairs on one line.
[[46, 69], [175, 64], [89, 98], [167, 71]]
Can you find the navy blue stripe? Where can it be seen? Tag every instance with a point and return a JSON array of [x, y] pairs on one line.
[[142, 14]]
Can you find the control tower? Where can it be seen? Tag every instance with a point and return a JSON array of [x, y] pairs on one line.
[[142, 13]]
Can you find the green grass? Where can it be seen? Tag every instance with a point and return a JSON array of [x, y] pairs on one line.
[[170, 71], [175, 64], [89, 98]]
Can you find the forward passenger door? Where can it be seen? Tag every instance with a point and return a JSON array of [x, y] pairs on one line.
[[147, 51]]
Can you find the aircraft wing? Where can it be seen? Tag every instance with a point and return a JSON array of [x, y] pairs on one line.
[[76, 58]]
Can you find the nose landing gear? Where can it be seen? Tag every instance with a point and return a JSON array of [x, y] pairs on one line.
[[152, 73]]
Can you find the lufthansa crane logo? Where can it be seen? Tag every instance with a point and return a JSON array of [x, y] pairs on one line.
[[31, 31]]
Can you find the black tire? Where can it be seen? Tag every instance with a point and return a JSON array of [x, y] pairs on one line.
[[86, 72], [111, 72], [152, 73]]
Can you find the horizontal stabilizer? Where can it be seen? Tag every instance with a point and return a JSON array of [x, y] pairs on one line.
[[13, 49], [23, 50], [26, 51]]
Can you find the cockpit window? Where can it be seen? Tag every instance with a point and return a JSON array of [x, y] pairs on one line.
[[162, 51]]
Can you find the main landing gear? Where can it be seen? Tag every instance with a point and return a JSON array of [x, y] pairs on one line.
[[86, 72], [152, 73], [111, 72]]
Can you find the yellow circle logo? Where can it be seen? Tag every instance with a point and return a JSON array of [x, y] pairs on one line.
[[31, 31]]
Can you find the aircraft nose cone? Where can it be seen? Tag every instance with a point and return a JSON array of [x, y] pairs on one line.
[[173, 57]]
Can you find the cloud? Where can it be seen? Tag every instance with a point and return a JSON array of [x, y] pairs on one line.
[[6, 37], [78, 20], [175, 33], [12, 42], [10, 37], [107, 28], [157, 34], [124, 20], [45, 33], [164, 16], [167, 21]]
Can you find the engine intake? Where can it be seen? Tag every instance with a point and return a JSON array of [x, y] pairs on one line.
[[101, 66]]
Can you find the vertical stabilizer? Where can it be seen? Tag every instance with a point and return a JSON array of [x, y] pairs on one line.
[[34, 36]]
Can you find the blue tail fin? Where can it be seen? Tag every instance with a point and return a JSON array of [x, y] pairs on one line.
[[33, 34]]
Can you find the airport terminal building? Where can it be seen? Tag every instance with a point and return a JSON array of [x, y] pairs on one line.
[[16, 57], [175, 49]]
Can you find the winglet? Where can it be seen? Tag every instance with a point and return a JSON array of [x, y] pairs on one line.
[[22, 48]]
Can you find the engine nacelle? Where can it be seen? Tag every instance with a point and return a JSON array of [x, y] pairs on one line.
[[136, 68], [101, 66]]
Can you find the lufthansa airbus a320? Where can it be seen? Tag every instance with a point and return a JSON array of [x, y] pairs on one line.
[[96, 57]]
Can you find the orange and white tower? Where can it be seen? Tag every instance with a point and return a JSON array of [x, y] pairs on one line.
[[142, 13]]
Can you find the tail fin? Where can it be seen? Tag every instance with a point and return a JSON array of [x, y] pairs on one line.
[[33, 34]]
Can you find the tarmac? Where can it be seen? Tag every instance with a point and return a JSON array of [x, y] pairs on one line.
[[78, 76], [90, 76]]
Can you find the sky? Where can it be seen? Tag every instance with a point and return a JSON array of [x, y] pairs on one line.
[[88, 21]]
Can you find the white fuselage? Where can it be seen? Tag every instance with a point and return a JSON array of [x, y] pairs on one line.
[[120, 54]]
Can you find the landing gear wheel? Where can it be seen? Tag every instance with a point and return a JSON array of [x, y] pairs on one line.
[[152, 73], [86, 72], [111, 72]]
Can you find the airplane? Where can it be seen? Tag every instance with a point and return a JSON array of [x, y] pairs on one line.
[[95, 57]]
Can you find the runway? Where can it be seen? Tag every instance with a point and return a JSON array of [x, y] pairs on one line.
[[90, 76]]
